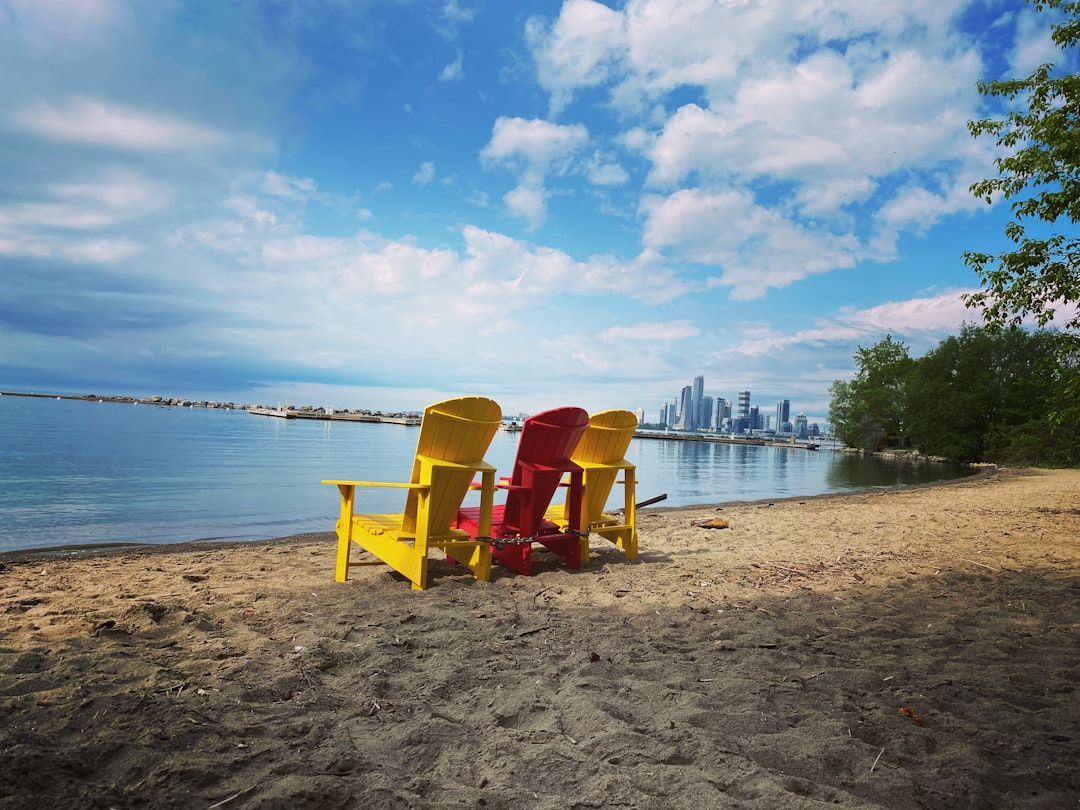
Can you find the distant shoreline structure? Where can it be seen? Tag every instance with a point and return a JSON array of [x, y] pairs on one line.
[[304, 412]]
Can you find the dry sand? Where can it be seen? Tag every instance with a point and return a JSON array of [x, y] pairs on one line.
[[760, 666]]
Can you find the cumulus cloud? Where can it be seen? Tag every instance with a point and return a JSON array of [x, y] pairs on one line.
[[751, 247], [531, 148], [425, 174], [846, 120]]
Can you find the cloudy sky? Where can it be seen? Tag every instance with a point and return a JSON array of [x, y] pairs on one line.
[[379, 204]]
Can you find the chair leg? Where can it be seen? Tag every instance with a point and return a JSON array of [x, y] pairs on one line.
[[515, 556], [568, 547], [344, 546]]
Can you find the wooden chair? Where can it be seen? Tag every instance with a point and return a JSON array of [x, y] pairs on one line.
[[543, 458], [601, 455], [454, 435]]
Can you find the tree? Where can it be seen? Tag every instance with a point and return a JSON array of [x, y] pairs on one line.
[[868, 411], [986, 395], [1040, 173]]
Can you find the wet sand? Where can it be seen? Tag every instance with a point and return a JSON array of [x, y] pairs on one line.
[[914, 648]]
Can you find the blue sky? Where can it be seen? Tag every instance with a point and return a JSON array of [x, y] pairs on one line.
[[381, 204]]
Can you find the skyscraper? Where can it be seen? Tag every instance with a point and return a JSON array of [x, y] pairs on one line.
[[744, 405], [800, 426], [686, 409], [783, 415], [696, 397]]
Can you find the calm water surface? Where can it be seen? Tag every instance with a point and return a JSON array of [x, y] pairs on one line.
[[75, 472]]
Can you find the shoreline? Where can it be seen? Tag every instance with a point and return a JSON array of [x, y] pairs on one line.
[[79, 550]]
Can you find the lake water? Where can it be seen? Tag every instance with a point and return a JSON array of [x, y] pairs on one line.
[[75, 472]]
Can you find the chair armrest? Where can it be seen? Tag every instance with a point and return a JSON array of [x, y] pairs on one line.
[[374, 484], [622, 464]]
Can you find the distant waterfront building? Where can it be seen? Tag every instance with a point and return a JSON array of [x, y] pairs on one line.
[[686, 409], [704, 413], [723, 414], [801, 430], [640, 414], [743, 411], [783, 416]]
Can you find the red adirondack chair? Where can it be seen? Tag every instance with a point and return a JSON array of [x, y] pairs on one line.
[[543, 457]]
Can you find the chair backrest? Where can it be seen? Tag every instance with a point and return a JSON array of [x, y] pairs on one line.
[[547, 441], [605, 442], [458, 431]]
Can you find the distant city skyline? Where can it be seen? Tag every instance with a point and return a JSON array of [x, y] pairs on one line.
[[692, 409]]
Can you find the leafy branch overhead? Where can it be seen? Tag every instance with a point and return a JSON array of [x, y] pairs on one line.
[[1039, 173]]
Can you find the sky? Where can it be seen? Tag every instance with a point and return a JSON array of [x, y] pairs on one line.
[[380, 204]]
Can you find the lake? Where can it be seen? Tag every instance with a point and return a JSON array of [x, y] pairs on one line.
[[77, 472]]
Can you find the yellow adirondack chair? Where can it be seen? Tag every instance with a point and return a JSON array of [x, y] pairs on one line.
[[600, 453], [454, 435]]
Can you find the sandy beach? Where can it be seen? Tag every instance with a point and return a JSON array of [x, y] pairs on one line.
[[913, 648]]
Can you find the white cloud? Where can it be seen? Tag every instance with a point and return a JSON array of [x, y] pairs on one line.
[[452, 11], [673, 330], [94, 122], [529, 203], [753, 247], [578, 50], [454, 71], [604, 170], [531, 148], [927, 319], [1034, 45], [823, 121], [425, 174], [296, 188]]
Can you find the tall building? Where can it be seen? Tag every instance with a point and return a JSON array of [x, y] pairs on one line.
[[686, 409], [800, 426], [744, 405], [783, 416], [696, 398], [704, 413], [723, 414]]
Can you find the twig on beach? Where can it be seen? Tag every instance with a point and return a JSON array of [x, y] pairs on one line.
[[783, 568], [224, 802], [984, 565], [533, 631], [882, 751]]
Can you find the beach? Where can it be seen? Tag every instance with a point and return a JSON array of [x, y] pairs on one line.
[[904, 648]]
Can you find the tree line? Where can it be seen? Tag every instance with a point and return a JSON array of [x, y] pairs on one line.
[[1001, 395]]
